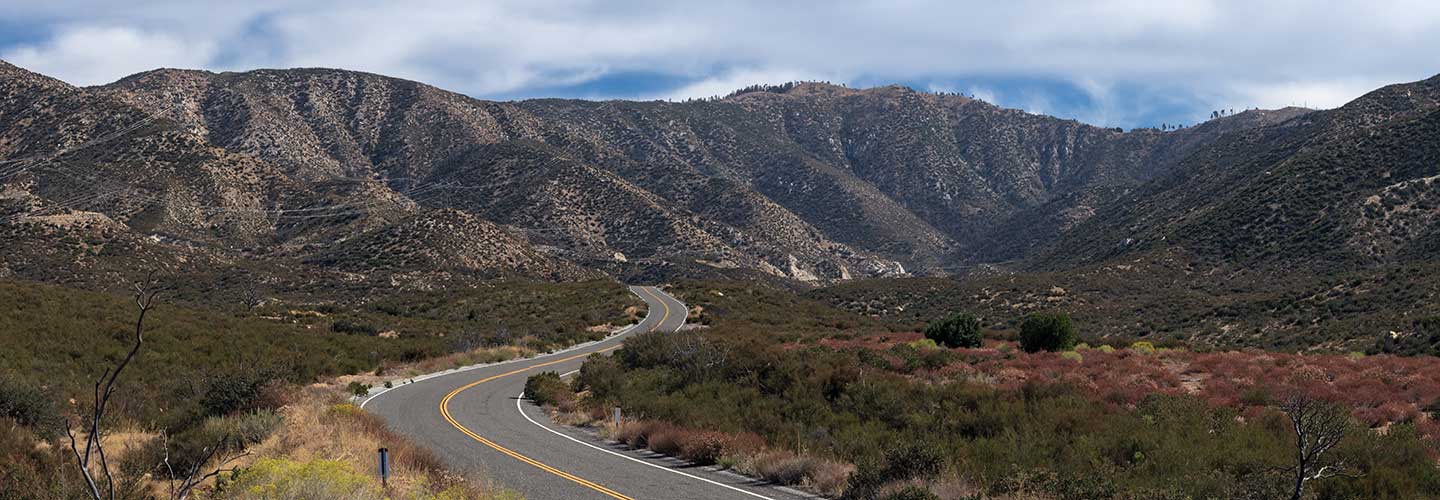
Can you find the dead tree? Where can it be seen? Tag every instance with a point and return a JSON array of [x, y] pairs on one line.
[[93, 424], [250, 296], [94, 428], [1319, 427]]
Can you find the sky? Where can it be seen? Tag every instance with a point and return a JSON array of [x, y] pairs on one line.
[[1117, 63]]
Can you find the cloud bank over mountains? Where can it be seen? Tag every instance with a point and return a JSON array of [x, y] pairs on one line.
[[1114, 63]]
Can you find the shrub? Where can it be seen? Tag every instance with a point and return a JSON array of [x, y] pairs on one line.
[[744, 443], [665, 440], [601, 375], [1433, 409], [955, 330], [1047, 332], [1073, 356], [358, 389], [1106, 349], [782, 467], [703, 447], [924, 344], [546, 389], [239, 391], [1257, 395], [636, 433], [1143, 347], [353, 328], [829, 478], [30, 469], [912, 492], [911, 460], [30, 407]]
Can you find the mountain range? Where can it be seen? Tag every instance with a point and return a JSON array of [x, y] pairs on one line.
[[320, 176]]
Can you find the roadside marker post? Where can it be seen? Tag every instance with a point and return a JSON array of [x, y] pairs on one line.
[[617, 415], [384, 468]]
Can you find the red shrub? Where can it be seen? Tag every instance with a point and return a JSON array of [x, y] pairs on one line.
[[703, 447]]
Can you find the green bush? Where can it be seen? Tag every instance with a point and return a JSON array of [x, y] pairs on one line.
[[237, 391], [924, 344], [546, 389], [602, 376], [1143, 347], [1073, 356], [955, 330], [900, 462], [29, 406], [353, 328], [1047, 332]]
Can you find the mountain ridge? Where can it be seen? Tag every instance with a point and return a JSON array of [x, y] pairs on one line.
[[809, 181]]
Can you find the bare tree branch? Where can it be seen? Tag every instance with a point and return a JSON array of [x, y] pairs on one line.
[[145, 294], [250, 294], [84, 472], [193, 478], [1319, 427]]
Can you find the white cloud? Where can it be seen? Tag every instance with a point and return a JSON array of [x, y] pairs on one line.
[[1312, 94], [1228, 53], [984, 93], [729, 81], [96, 55]]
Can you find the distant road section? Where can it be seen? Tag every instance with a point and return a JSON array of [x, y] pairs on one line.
[[475, 420]]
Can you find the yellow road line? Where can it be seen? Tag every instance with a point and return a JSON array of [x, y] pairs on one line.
[[445, 412]]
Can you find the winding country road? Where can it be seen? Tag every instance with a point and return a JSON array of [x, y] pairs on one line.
[[476, 421]]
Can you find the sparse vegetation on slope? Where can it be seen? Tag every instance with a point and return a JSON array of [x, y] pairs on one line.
[[998, 422], [1169, 296], [206, 378]]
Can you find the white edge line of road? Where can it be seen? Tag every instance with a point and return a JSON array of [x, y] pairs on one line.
[[428, 376], [788, 490], [627, 457]]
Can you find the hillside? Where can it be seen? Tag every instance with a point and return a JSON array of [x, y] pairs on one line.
[[1319, 232], [93, 189], [808, 181], [313, 178], [1349, 188]]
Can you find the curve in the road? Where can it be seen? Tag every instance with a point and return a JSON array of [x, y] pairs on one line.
[[509, 445], [445, 411]]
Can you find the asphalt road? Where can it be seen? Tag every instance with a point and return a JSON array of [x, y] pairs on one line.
[[476, 421]]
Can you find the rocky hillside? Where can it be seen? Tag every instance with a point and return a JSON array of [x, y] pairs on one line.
[[1350, 188], [92, 188], [349, 172], [807, 181]]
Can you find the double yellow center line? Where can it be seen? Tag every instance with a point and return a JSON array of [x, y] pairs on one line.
[[445, 412]]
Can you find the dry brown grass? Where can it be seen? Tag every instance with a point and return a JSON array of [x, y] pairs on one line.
[[703, 447], [828, 478], [779, 467], [323, 428], [576, 418]]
